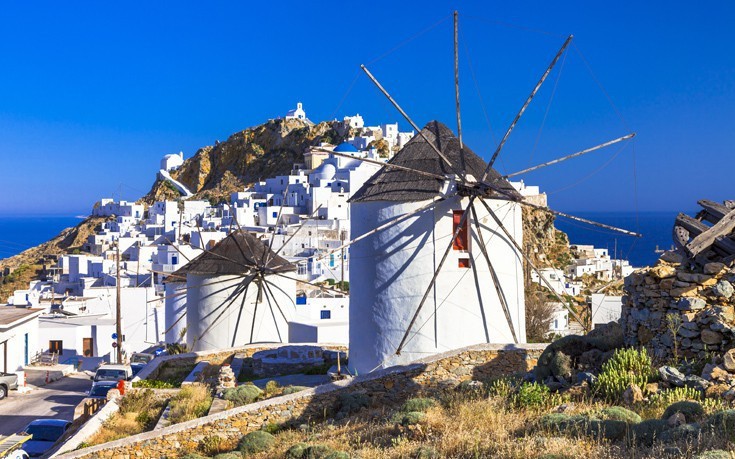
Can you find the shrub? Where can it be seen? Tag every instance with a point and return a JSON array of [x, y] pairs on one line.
[[272, 387], [618, 413], [351, 403], [293, 389], [242, 395], [648, 431], [318, 452], [502, 387], [296, 451], [153, 384], [418, 404], [408, 418], [272, 428], [531, 395], [684, 432], [318, 370], [256, 442], [213, 444], [193, 401], [228, 456], [691, 410], [610, 429], [625, 367], [193, 456]]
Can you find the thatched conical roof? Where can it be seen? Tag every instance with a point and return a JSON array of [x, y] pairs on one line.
[[390, 184], [239, 253]]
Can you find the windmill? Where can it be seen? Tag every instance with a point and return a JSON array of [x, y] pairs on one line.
[[431, 216]]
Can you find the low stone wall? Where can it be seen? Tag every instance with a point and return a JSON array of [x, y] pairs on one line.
[[152, 370], [386, 387], [670, 307]]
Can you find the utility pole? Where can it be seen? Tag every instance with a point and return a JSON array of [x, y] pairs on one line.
[[342, 264], [118, 319]]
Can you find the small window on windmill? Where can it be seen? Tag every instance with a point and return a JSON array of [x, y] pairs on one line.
[[464, 263], [462, 241]]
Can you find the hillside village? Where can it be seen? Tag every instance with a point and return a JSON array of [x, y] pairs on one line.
[[68, 314]]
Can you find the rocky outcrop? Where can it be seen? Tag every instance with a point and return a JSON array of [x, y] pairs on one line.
[[678, 310], [246, 157]]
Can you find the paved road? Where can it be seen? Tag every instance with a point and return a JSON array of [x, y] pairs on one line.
[[56, 400]]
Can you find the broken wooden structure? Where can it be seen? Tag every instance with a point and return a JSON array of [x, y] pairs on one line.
[[709, 236]]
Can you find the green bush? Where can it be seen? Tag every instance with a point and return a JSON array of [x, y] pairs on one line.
[[625, 367], [242, 395], [212, 444], [272, 387], [418, 404], [618, 413], [193, 456], [502, 387], [293, 389], [648, 431], [408, 418], [351, 403], [318, 370], [153, 384], [296, 451], [531, 395], [610, 429], [682, 433], [691, 410], [317, 452], [256, 442], [228, 456]]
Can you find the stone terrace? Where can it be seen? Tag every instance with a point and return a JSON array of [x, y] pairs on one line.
[[385, 387]]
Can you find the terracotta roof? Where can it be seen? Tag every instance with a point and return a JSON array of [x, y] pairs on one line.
[[239, 253], [12, 314], [390, 184]]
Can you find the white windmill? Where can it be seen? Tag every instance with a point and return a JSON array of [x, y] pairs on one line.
[[438, 264]]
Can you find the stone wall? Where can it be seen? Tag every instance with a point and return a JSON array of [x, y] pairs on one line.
[[671, 307], [386, 387], [152, 370]]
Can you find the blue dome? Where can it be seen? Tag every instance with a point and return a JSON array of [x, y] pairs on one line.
[[345, 147]]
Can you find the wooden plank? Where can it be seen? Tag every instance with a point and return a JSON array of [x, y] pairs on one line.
[[722, 228], [730, 204], [681, 237], [713, 211], [726, 244], [694, 226]]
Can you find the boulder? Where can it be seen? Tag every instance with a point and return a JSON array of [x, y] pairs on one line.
[[728, 360], [723, 289], [676, 419], [672, 376], [663, 271], [690, 410], [713, 268], [632, 395], [711, 337], [691, 304]]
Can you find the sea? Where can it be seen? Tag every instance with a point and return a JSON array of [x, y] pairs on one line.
[[18, 233]]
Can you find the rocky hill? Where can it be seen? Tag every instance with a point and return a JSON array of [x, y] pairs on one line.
[[246, 157], [29, 264]]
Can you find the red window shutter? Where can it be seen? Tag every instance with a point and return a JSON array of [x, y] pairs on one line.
[[461, 242]]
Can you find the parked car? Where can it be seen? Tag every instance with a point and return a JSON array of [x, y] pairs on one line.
[[45, 433], [8, 381], [113, 373], [101, 388], [139, 360]]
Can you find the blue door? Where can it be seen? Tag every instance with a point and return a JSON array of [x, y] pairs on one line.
[[25, 355]]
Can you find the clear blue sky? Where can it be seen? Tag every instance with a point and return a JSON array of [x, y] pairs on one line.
[[93, 94]]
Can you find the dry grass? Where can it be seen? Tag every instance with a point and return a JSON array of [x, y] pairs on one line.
[[139, 411], [193, 401], [471, 428]]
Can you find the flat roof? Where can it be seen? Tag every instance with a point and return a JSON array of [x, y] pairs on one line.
[[10, 314]]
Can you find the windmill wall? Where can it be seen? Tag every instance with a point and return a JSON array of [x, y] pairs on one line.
[[391, 270], [175, 308], [212, 324]]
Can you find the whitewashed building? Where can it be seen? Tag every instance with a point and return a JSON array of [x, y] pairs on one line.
[[18, 337]]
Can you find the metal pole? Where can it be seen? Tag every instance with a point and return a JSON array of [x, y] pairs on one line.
[[118, 307], [580, 219]]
